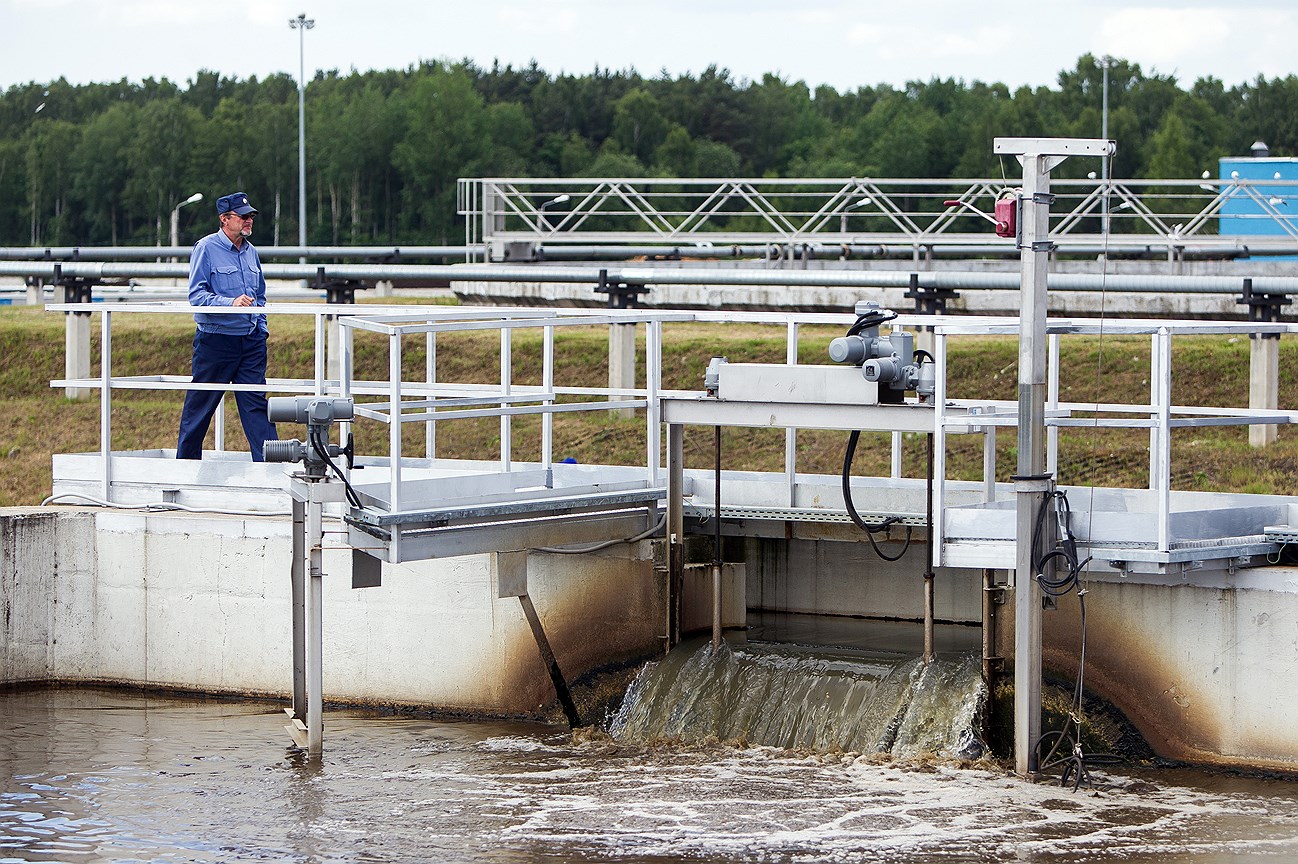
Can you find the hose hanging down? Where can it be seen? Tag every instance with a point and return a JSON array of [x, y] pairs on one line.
[[869, 530]]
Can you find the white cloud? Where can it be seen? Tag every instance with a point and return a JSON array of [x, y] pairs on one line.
[[158, 13], [1166, 37], [542, 19]]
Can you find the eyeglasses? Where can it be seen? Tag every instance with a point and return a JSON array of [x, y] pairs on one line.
[[247, 218]]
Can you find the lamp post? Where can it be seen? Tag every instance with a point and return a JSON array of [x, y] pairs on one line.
[[301, 24], [1106, 63], [175, 217], [558, 199], [842, 217]]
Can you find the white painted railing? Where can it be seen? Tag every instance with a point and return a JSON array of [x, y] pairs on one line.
[[398, 402]]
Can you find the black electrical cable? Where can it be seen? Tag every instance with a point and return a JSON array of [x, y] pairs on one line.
[[869, 530], [1062, 748], [1067, 551], [870, 319], [322, 450]]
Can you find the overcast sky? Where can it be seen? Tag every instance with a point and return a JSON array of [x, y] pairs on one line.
[[843, 43]]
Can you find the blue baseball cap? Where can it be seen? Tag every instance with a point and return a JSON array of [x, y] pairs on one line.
[[236, 202]]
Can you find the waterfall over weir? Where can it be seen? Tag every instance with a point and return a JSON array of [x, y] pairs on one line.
[[808, 698]]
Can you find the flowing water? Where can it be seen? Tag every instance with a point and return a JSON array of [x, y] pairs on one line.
[[91, 775], [794, 697]]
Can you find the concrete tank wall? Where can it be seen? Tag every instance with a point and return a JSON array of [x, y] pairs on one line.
[[189, 601], [1206, 672], [832, 577]]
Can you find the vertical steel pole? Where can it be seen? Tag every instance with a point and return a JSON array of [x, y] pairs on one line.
[[1031, 458], [675, 528], [939, 447], [430, 377], [1052, 403], [220, 425], [929, 576], [394, 438], [506, 388], [1163, 432], [303, 24], [346, 351], [322, 338], [989, 629], [547, 387], [653, 411], [314, 632], [1039, 156], [298, 578], [1105, 63], [716, 538], [791, 434], [106, 403]]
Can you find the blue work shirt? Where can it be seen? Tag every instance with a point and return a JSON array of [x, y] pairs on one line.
[[218, 274]]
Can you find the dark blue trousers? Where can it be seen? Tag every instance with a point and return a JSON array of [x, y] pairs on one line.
[[224, 359]]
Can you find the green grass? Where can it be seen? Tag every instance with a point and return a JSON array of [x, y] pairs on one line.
[[1211, 370]]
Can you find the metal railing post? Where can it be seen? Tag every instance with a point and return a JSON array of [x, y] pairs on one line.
[[506, 389], [653, 411], [106, 403], [430, 377], [1162, 451], [791, 434], [547, 387]]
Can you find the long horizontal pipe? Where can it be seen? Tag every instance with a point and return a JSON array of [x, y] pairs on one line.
[[100, 272], [145, 253], [1123, 247], [940, 249]]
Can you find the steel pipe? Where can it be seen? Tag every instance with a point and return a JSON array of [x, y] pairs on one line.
[[959, 280]]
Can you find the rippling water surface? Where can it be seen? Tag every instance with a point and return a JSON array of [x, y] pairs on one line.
[[99, 776]]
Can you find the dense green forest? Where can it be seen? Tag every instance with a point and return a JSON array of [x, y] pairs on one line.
[[105, 163]]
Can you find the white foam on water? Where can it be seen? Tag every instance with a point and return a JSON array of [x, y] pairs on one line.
[[395, 789]]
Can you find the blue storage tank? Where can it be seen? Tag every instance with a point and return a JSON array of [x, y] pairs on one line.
[[1264, 208]]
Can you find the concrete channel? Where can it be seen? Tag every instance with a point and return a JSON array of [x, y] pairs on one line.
[[1191, 625]]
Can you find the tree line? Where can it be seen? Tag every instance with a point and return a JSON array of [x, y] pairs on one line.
[[105, 163]]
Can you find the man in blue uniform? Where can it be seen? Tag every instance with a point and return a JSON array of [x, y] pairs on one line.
[[224, 270]]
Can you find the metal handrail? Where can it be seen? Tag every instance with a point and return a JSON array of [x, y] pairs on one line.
[[431, 401]]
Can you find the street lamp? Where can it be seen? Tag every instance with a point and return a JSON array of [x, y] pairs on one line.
[[175, 217], [842, 217], [1106, 63], [301, 24], [558, 199]]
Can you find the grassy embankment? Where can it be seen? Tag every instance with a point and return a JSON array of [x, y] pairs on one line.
[[38, 421]]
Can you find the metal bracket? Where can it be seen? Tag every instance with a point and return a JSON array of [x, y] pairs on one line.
[[1263, 308], [1033, 482], [76, 289], [339, 292], [929, 299], [1043, 198], [1041, 246], [621, 295]]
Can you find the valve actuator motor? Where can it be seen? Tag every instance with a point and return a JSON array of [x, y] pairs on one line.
[[885, 358]]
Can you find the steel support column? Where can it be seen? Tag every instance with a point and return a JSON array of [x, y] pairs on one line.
[[1038, 157], [675, 529], [309, 496]]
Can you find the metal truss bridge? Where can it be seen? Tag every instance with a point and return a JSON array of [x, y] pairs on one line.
[[909, 217]]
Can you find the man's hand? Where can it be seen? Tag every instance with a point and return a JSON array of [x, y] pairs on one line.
[[242, 300]]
